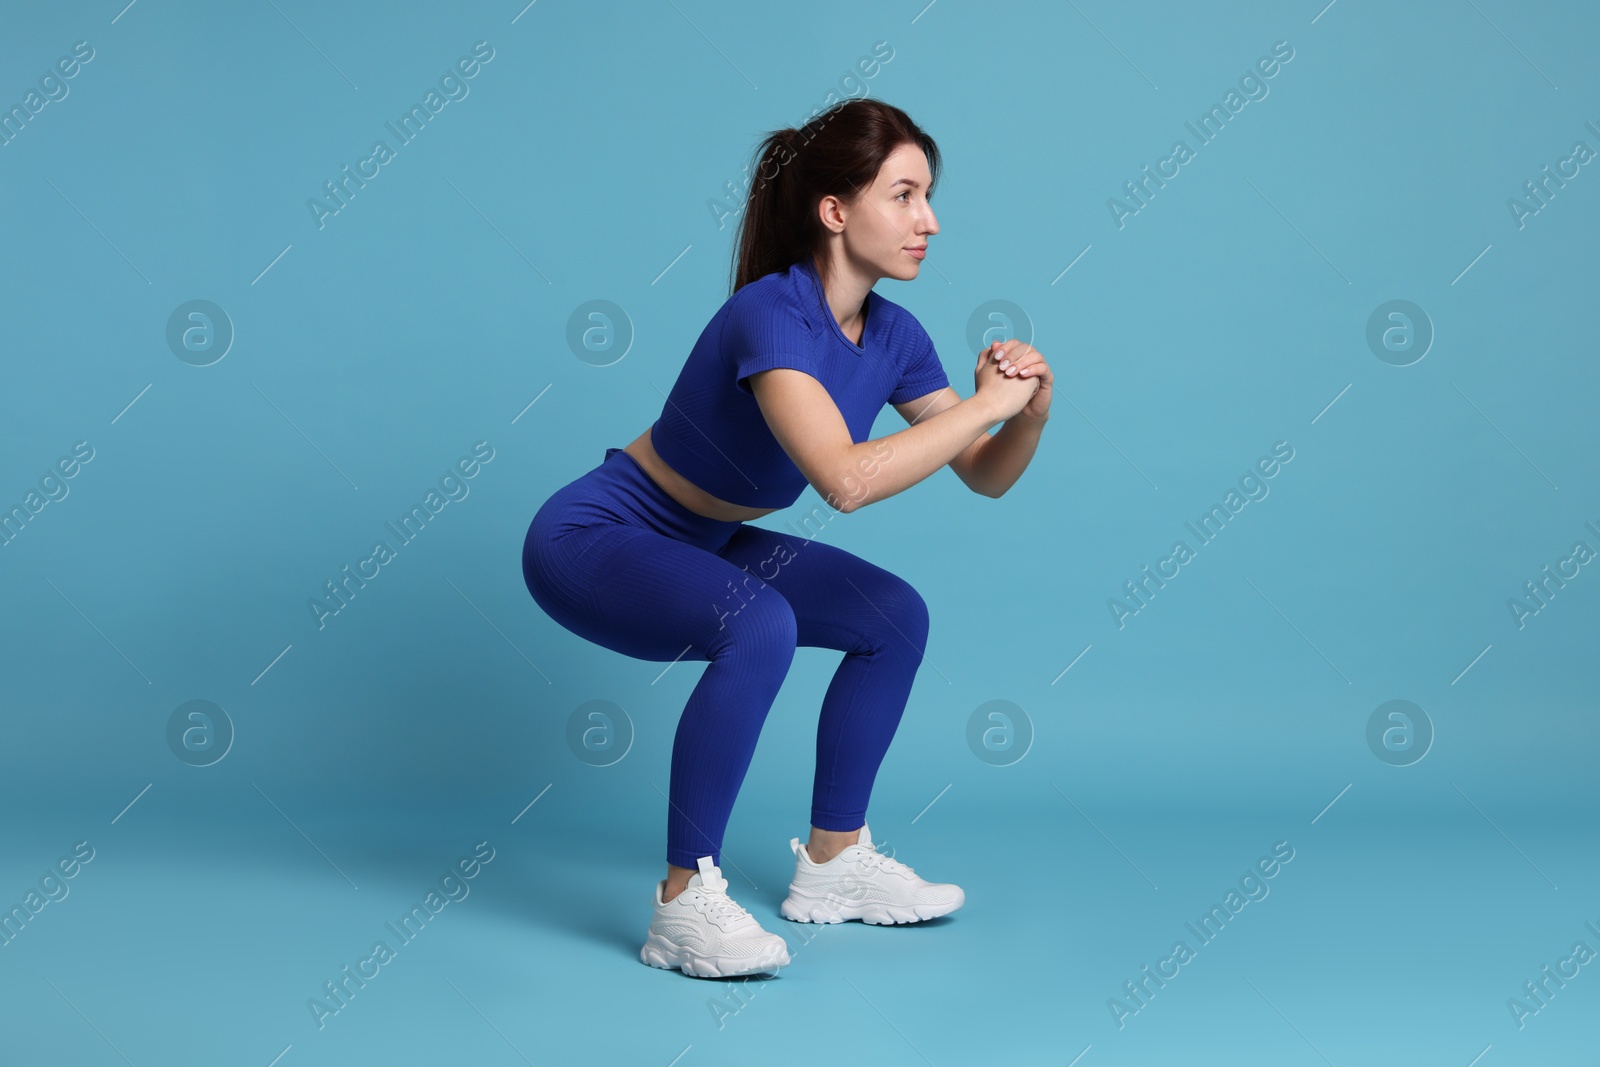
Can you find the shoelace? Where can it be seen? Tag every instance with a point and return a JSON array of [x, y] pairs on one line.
[[873, 858], [718, 906]]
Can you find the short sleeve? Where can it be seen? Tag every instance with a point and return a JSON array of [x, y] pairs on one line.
[[761, 332], [923, 373]]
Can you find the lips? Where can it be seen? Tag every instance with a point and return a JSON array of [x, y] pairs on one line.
[[919, 252]]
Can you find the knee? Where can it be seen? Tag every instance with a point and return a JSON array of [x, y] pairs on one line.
[[762, 624], [903, 612]]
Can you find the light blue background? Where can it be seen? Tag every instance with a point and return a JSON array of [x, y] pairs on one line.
[[433, 310]]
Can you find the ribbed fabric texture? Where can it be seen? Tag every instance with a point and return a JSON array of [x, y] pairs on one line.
[[615, 560], [711, 429]]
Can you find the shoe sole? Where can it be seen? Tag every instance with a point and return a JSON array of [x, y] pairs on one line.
[[803, 909], [659, 952]]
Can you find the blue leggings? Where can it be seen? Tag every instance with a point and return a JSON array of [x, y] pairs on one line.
[[614, 559]]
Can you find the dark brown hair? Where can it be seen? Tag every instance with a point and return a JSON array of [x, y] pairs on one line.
[[839, 153]]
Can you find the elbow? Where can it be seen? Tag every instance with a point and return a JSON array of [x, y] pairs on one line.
[[843, 503], [982, 489], [850, 491], [835, 498]]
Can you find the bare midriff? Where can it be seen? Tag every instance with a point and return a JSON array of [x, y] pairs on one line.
[[684, 491]]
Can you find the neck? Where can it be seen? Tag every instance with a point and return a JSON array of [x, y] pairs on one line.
[[845, 293]]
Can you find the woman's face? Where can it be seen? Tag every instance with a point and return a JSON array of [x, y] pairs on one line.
[[892, 216]]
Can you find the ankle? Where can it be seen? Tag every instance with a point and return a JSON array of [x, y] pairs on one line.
[[824, 845], [676, 881]]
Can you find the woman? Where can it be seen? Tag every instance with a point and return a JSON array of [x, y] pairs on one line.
[[652, 553]]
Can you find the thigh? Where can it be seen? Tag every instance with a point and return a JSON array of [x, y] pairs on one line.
[[631, 589], [840, 600]]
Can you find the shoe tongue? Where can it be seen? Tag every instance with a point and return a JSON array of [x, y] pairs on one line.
[[866, 837], [709, 875]]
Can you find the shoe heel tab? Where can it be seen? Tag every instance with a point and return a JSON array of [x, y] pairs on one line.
[[794, 845]]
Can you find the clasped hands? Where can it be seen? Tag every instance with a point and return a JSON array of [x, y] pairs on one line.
[[1011, 367]]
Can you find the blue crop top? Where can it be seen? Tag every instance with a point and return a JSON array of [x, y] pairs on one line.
[[711, 429]]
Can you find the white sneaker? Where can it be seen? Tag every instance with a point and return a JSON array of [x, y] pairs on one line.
[[863, 883], [703, 933]]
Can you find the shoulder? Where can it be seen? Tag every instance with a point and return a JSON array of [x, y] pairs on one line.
[[772, 304]]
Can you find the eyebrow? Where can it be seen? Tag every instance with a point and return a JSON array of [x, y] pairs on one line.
[[907, 181]]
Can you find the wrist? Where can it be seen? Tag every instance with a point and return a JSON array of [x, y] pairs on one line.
[[990, 412]]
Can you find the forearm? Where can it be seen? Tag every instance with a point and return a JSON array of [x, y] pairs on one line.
[[880, 468], [1003, 457]]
